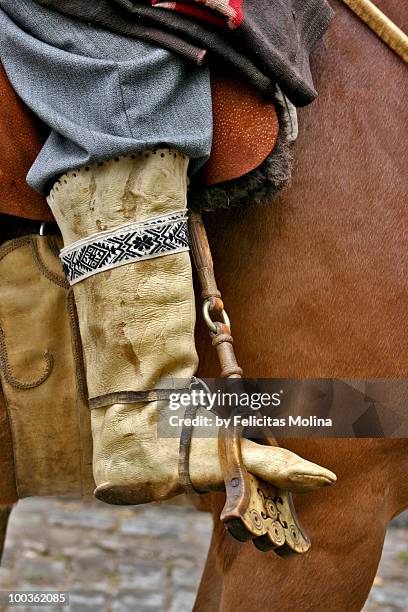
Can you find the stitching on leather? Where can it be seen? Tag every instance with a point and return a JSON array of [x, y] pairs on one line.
[[5, 365], [12, 380], [77, 347], [13, 244], [80, 376], [42, 266]]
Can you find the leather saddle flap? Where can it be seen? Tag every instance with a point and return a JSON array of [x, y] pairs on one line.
[[21, 138], [245, 129]]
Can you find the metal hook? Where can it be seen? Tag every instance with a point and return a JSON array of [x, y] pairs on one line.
[[42, 228]]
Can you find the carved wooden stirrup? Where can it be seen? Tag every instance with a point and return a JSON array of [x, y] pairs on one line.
[[255, 510]]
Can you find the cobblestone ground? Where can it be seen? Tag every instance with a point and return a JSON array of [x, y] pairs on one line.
[[109, 559], [142, 559]]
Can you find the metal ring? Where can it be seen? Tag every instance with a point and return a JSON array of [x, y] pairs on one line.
[[208, 320], [42, 228]]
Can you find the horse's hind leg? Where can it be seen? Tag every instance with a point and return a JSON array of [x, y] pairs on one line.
[[4, 518]]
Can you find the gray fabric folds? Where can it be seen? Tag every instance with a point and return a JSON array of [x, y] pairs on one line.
[[101, 94]]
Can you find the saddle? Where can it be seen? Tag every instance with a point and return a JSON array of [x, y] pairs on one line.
[[21, 138], [245, 132]]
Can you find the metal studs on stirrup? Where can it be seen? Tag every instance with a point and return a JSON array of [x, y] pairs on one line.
[[208, 306]]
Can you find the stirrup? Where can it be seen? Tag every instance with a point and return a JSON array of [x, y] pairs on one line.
[[254, 510]]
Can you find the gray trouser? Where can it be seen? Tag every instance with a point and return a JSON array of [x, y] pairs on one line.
[[101, 94]]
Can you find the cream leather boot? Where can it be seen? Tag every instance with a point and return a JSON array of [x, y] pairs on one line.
[[126, 253]]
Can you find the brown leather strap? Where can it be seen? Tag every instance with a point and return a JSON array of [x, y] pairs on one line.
[[132, 397], [223, 343], [200, 250], [221, 336], [184, 452]]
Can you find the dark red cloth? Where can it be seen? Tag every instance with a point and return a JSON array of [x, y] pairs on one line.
[[223, 13]]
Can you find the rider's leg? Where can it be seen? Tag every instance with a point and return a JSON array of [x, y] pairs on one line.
[[137, 326], [104, 96]]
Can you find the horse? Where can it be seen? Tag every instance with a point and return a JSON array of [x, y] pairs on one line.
[[307, 280], [315, 286]]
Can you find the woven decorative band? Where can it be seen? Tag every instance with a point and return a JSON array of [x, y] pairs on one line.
[[133, 242]]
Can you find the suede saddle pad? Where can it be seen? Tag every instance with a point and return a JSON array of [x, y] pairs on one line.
[[245, 132]]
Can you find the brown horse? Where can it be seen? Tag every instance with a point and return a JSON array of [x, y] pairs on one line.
[[315, 285]]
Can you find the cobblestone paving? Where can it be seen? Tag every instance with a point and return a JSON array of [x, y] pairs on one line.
[[139, 559], [109, 559]]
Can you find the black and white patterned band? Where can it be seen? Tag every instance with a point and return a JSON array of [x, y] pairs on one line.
[[133, 242]]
